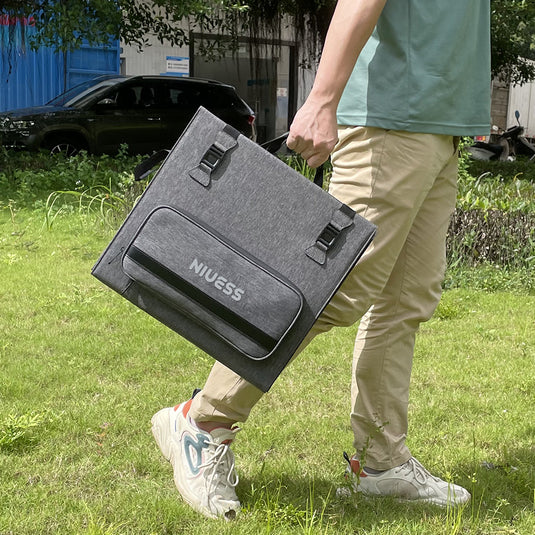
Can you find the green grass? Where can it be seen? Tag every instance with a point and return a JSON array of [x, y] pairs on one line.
[[82, 371]]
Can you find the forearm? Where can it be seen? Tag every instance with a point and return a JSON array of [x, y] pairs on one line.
[[313, 133], [351, 26]]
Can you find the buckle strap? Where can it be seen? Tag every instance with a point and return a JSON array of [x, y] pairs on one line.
[[225, 141], [341, 219]]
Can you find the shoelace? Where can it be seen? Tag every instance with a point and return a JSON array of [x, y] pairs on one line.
[[220, 464], [421, 474]]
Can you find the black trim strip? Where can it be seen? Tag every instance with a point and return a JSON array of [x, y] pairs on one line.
[[347, 211], [231, 131], [207, 302]]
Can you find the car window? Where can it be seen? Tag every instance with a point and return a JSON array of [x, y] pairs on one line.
[[185, 97], [229, 97], [144, 95], [190, 95], [175, 95], [170, 94], [127, 97], [80, 94], [215, 97]]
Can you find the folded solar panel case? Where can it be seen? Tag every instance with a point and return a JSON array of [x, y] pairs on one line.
[[233, 250]]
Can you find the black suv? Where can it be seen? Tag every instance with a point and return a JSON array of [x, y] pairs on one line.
[[147, 113]]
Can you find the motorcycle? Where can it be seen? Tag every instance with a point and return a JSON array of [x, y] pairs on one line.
[[509, 144]]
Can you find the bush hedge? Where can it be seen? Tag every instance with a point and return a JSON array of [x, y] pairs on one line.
[[494, 237]]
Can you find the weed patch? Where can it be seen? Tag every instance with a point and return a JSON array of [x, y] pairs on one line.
[[17, 429]]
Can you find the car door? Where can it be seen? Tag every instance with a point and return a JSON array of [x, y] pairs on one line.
[[127, 116]]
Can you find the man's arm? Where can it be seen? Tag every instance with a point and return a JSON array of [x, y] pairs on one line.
[[313, 132]]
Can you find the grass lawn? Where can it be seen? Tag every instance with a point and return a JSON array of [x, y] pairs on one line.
[[82, 371]]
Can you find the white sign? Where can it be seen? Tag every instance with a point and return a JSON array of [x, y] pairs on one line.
[[177, 65]]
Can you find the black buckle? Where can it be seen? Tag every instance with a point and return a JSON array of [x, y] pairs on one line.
[[213, 156], [328, 236]]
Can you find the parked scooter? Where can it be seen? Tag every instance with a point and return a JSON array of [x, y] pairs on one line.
[[522, 146], [510, 143]]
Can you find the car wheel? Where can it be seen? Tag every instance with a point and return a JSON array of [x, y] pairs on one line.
[[64, 146]]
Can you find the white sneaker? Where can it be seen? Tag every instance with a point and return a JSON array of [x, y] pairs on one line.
[[410, 481], [203, 463]]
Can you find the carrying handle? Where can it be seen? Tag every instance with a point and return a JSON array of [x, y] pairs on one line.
[[274, 145], [144, 169]]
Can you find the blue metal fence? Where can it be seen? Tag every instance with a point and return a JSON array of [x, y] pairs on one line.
[[90, 61], [31, 78]]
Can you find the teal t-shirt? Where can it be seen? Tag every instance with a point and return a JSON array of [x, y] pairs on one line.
[[426, 68]]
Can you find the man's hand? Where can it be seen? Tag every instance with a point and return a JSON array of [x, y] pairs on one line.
[[313, 133]]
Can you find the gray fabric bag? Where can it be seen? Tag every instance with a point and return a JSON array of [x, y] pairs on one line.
[[234, 250]]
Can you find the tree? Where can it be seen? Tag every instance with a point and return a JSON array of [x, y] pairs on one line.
[[64, 24], [513, 40]]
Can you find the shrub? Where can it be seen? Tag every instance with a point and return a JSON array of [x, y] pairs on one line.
[[28, 177], [478, 237]]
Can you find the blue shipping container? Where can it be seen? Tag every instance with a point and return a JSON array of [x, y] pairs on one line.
[[33, 77]]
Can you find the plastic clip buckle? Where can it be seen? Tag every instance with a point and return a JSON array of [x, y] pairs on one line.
[[212, 157], [328, 236]]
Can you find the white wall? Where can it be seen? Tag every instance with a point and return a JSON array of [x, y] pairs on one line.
[[152, 60], [522, 98]]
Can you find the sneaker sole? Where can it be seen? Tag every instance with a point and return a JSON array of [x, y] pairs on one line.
[[161, 429], [425, 501]]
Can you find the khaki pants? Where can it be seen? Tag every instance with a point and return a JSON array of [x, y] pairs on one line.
[[405, 183]]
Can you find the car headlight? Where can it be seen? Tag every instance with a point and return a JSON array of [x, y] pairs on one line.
[[19, 127], [6, 123], [21, 124]]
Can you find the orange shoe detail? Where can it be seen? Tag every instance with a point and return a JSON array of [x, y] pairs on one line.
[[185, 408], [355, 467]]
